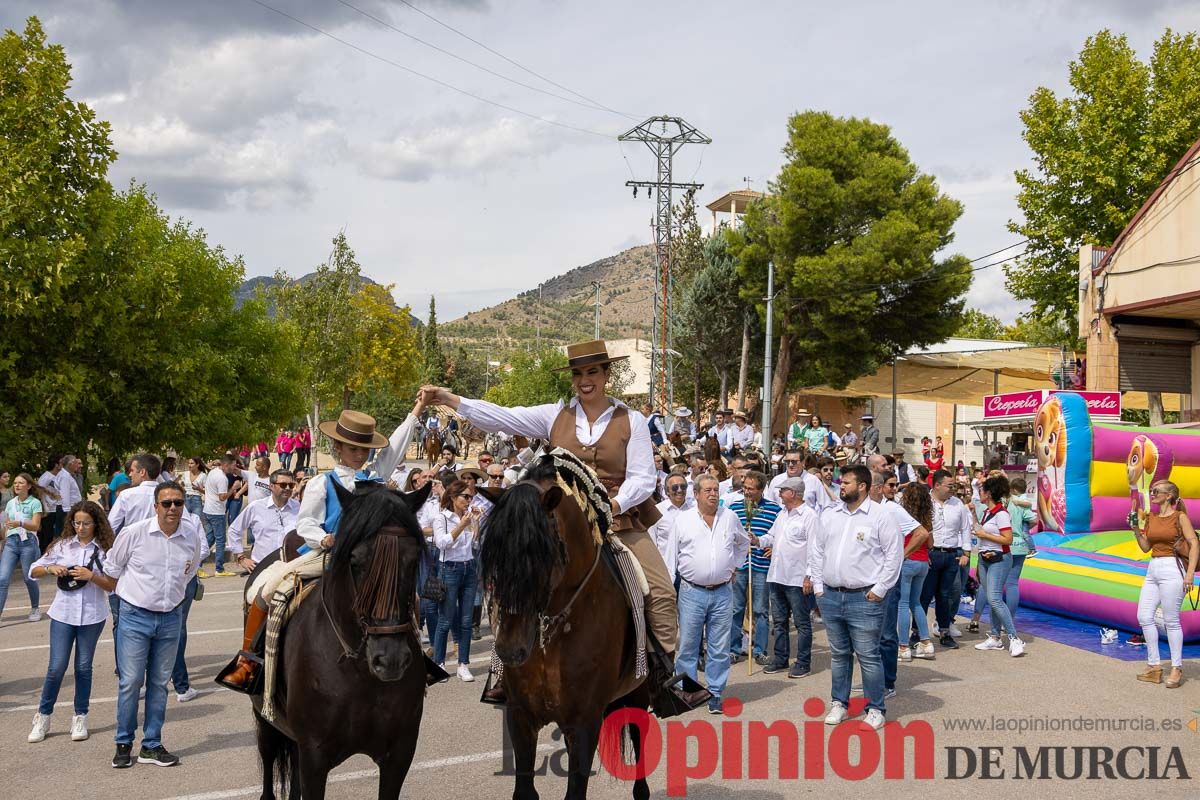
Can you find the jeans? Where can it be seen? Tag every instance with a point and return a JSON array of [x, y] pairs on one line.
[[214, 532], [705, 614], [1163, 587], [146, 650], [791, 603], [939, 587], [179, 674], [62, 638], [429, 608], [24, 553], [960, 586], [889, 642], [760, 611], [460, 578], [1012, 589], [912, 581], [194, 503], [285, 460], [233, 508], [853, 623], [991, 583]]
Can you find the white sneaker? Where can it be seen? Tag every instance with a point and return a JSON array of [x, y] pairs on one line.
[[904, 654], [190, 694], [35, 615], [935, 631], [875, 718], [836, 714], [924, 650], [1016, 647], [464, 673], [79, 731], [41, 726], [954, 631], [990, 643]]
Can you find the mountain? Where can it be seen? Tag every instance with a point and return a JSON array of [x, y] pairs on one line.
[[561, 310], [251, 287]]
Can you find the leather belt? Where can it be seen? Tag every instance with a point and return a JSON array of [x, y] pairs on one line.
[[706, 588], [945, 549], [849, 589]]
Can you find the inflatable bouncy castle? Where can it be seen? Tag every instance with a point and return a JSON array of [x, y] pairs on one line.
[[1090, 476]]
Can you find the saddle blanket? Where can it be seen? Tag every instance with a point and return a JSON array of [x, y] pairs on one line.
[[284, 604]]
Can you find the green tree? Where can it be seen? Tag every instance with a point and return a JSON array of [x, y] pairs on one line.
[[433, 357], [387, 354], [532, 378], [466, 373], [712, 313], [320, 310], [1099, 151], [855, 231], [978, 325]]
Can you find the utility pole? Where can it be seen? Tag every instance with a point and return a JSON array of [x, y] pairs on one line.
[[596, 284], [664, 136], [767, 362]]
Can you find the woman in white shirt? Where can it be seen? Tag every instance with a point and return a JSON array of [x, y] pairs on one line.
[[22, 521], [192, 480], [455, 531], [78, 612], [994, 533]]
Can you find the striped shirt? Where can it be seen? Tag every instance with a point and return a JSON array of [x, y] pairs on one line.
[[764, 517]]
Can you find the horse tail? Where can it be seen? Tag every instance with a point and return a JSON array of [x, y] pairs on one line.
[[280, 755]]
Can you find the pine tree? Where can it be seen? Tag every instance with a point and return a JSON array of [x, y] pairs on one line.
[[434, 359]]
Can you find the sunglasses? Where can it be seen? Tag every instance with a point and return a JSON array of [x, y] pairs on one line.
[[171, 503], [791, 461], [288, 486], [676, 489]]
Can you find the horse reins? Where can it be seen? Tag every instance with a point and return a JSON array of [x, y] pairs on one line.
[[548, 626], [369, 630]]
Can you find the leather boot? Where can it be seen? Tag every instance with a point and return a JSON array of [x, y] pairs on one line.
[[495, 693], [672, 694], [246, 668]]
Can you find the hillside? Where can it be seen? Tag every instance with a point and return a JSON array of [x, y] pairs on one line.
[[250, 288], [566, 307]]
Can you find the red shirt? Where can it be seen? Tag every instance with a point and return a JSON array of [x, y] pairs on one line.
[[921, 553]]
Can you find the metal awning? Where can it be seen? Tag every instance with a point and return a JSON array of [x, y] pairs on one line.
[[1021, 425]]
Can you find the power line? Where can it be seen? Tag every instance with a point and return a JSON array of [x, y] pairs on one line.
[[515, 63], [467, 61], [998, 252], [430, 78]]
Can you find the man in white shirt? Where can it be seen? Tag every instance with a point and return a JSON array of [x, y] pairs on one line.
[[788, 581], [258, 483], [706, 544], [52, 516], [697, 466], [854, 559], [883, 491], [216, 494], [683, 425], [68, 488], [676, 502], [723, 432], [905, 473], [949, 550], [742, 434], [153, 561], [267, 519], [793, 465], [731, 487], [137, 502]]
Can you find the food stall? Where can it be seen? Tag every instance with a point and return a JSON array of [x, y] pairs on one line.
[[1007, 427]]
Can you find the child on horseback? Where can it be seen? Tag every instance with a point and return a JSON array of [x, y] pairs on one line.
[[354, 437]]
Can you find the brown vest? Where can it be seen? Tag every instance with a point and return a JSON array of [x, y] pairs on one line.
[[607, 458]]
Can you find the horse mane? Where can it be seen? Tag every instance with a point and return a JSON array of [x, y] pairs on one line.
[[520, 551]]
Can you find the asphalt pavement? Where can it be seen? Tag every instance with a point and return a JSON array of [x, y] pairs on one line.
[[1053, 687]]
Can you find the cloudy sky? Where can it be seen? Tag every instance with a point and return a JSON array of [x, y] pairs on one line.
[[273, 136]]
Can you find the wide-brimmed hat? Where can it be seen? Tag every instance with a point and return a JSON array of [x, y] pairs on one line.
[[684, 411], [471, 472], [739, 415], [801, 412], [847, 425], [868, 416], [588, 354], [354, 427]]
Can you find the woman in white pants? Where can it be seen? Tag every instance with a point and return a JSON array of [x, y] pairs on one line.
[[1166, 577]]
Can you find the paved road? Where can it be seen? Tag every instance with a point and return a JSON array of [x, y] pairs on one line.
[[460, 739]]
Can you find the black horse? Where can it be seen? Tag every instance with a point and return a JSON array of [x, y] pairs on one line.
[[351, 674]]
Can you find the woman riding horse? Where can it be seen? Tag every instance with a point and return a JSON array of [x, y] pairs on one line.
[[354, 436], [614, 441]]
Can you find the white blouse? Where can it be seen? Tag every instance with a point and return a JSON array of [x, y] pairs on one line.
[[459, 549], [85, 606]]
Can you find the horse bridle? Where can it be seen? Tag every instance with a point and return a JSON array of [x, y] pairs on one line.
[[368, 630], [548, 625]]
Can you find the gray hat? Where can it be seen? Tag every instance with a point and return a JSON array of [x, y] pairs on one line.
[[795, 484]]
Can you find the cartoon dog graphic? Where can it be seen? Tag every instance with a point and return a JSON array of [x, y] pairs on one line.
[[1050, 447]]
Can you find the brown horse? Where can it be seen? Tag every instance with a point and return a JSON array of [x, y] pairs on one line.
[[433, 446], [351, 672], [564, 633]]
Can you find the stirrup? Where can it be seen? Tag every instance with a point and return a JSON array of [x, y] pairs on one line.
[[487, 688], [678, 695], [433, 673], [254, 685]]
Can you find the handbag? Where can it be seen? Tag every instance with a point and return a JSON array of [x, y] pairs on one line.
[[434, 589], [68, 584], [1183, 551], [991, 556]]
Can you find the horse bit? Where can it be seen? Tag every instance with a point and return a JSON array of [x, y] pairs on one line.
[[367, 630], [548, 626]]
